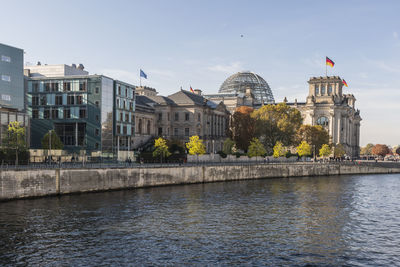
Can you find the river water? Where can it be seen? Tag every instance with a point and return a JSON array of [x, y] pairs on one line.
[[329, 221]]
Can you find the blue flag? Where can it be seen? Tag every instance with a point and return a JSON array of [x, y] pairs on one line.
[[142, 74]]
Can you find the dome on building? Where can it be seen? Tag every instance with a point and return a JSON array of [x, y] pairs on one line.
[[237, 84]]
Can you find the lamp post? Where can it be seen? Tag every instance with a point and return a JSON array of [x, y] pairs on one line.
[[50, 146]]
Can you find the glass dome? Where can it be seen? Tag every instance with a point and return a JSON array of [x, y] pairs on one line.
[[237, 84]]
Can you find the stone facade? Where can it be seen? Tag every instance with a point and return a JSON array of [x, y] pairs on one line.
[[326, 105], [185, 114]]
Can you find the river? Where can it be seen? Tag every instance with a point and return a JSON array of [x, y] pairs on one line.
[[336, 220]]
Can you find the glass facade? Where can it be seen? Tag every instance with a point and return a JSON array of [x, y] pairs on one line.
[[11, 77], [92, 113]]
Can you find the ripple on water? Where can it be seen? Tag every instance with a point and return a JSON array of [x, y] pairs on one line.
[[328, 221]]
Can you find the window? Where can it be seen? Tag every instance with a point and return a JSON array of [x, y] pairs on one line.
[[67, 86], [70, 99], [118, 129], [126, 117], [330, 89], [35, 114], [5, 58], [117, 103], [176, 131], [119, 89], [168, 115], [96, 145], [47, 87], [316, 89], [6, 78], [43, 100], [186, 116], [140, 126], [35, 87], [97, 104], [58, 99], [198, 117], [148, 127], [79, 100], [54, 86], [120, 116], [97, 89], [323, 90], [131, 106], [125, 131], [186, 131], [126, 92], [323, 121], [35, 100], [82, 113], [132, 118], [124, 104], [67, 113], [54, 113], [82, 86], [46, 114], [97, 132], [159, 116], [176, 116], [160, 131], [97, 118]]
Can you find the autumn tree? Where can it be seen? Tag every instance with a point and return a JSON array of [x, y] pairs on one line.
[[339, 151], [161, 148], [367, 150], [54, 141], [279, 150], [380, 150], [243, 127], [397, 150], [325, 151], [314, 135], [277, 123], [304, 149], [256, 148], [228, 146], [195, 146]]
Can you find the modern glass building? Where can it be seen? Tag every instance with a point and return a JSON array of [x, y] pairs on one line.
[[11, 77], [93, 113]]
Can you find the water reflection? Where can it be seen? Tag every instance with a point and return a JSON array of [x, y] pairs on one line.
[[346, 220]]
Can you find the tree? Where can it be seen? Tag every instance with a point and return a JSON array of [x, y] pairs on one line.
[[243, 127], [315, 135], [279, 150], [277, 123], [196, 146], [398, 150], [380, 150], [339, 151], [54, 140], [228, 146], [304, 149], [256, 148], [15, 137], [161, 148], [325, 151], [14, 142], [367, 150]]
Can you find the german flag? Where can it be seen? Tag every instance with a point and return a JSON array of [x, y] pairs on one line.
[[329, 62], [191, 89], [344, 83]]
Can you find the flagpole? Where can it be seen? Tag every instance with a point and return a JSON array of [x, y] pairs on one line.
[[140, 79]]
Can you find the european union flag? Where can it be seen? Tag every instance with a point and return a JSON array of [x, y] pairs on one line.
[[142, 74]]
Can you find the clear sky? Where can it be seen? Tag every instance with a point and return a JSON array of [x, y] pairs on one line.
[[199, 43]]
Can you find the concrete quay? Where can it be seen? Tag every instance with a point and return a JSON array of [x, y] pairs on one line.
[[27, 183]]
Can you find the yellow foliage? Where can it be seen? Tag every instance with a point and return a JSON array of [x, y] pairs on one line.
[[196, 146]]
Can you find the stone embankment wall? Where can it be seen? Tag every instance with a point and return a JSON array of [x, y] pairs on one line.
[[35, 183]]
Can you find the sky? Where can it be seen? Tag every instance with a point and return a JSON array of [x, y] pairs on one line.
[[201, 43]]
